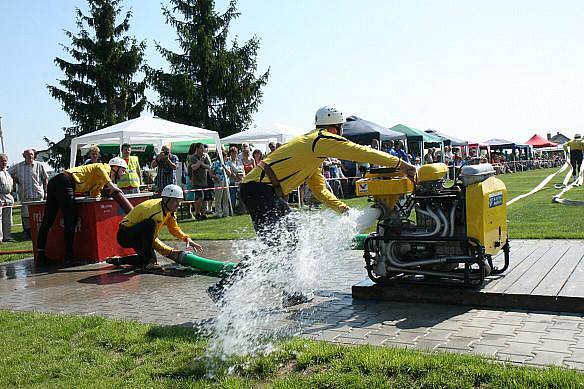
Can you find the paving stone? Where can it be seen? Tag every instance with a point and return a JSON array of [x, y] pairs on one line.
[[449, 325], [579, 342], [357, 333], [545, 358], [561, 334], [535, 326], [493, 340], [345, 340], [485, 350], [540, 317], [564, 324], [459, 342], [489, 314], [513, 358], [528, 337], [558, 346], [573, 365], [519, 348], [501, 329], [437, 334], [406, 337], [375, 339], [577, 356], [387, 330], [394, 344], [480, 323], [428, 344]]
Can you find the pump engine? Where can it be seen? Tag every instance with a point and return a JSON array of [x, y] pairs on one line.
[[434, 231]]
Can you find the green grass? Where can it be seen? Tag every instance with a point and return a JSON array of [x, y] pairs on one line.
[[20, 242], [44, 350], [536, 217]]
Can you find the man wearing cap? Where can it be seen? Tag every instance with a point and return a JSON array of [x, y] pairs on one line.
[[576, 147], [61, 190], [140, 228]]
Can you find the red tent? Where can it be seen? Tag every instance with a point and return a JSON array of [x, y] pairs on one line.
[[537, 142]]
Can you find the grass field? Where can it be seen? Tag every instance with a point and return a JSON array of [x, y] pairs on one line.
[[534, 217], [41, 350]]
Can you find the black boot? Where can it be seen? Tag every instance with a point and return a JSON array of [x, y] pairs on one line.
[[217, 290]]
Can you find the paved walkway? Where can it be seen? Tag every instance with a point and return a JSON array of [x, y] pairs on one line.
[[534, 338]]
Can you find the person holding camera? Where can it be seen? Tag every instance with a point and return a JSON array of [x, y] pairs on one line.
[[166, 162]]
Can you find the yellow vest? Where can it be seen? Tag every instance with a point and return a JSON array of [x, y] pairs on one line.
[[90, 178], [152, 209], [300, 159], [131, 179]]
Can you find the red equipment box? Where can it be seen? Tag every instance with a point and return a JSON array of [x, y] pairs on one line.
[[95, 233]]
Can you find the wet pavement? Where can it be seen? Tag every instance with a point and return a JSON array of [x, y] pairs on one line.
[[179, 298]]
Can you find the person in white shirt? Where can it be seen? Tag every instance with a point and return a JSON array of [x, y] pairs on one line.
[[32, 179]]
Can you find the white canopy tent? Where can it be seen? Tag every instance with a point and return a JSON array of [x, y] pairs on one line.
[[274, 133], [149, 130]]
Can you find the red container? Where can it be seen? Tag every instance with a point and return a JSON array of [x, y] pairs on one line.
[[95, 234]]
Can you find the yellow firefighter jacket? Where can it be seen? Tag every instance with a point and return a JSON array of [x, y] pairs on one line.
[[152, 209], [90, 178], [300, 159]]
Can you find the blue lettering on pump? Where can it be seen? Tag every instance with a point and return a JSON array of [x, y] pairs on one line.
[[495, 199]]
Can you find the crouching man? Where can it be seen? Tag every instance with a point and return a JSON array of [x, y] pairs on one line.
[[140, 228]]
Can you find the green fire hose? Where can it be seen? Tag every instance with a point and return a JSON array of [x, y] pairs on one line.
[[359, 241], [209, 265]]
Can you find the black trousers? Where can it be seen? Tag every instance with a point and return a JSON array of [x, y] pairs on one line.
[[139, 237], [576, 161], [264, 206], [60, 196], [267, 211]]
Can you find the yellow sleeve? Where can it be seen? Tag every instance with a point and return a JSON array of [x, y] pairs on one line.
[[161, 247], [330, 145], [174, 229], [317, 184]]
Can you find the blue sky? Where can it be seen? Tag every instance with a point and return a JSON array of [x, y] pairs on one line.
[[474, 69]]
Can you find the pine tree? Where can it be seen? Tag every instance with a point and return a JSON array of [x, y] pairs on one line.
[[210, 85], [99, 88]]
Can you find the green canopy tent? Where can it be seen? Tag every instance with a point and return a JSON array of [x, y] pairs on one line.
[[418, 136], [181, 147]]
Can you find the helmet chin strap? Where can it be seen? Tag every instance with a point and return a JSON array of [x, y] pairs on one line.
[[165, 201], [116, 176]]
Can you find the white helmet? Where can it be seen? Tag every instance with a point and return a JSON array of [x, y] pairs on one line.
[[328, 115], [117, 161], [172, 191]]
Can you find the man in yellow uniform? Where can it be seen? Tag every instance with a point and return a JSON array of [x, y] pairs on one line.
[[140, 228], [299, 161], [61, 191], [130, 182], [576, 147]]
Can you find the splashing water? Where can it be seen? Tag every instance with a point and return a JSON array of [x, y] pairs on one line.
[[300, 255]]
